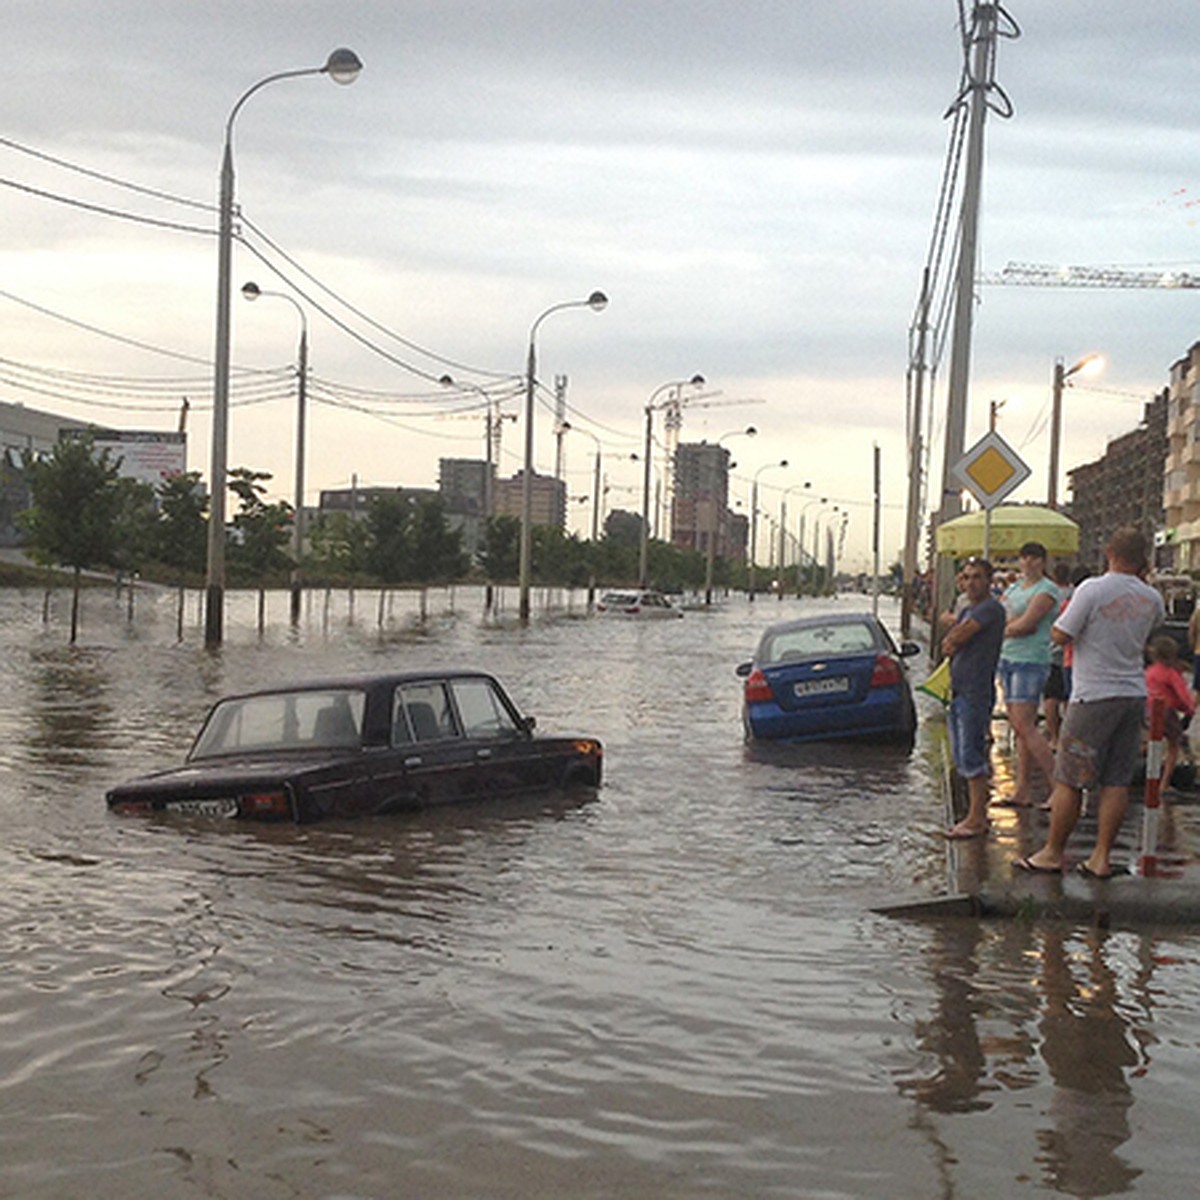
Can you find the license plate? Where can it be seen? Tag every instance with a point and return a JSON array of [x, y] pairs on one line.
[[822, 687], [225, 807]]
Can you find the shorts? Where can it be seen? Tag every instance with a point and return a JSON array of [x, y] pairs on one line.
[[969, 721], [1056, 685], [1023, 683], [1100, 744]]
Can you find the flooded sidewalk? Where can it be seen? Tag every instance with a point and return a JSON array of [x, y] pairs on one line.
[[982, 881]]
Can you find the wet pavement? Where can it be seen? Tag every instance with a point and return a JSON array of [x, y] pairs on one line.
[[982, 880]]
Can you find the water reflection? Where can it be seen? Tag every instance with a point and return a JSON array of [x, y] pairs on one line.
[[1023, 1010], [1086, 1044], [69, 707]]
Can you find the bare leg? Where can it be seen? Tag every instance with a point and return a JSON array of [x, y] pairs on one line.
[[1052, 708], [1032, 748], [1064, 812], [976, 821], [1111, 813]]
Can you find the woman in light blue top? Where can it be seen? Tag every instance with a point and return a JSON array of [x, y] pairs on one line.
[[1032, 604]]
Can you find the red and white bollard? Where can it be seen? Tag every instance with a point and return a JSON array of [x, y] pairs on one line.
[[1148, 863]]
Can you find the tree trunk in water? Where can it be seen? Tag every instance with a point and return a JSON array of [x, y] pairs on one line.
[[75, 605]]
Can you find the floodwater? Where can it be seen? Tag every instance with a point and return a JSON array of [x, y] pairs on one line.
[[674, 990]]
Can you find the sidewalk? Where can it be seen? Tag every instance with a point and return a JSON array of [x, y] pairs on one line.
[[981, 880]]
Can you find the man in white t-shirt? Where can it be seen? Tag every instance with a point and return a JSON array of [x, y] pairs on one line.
[[1107, 622]]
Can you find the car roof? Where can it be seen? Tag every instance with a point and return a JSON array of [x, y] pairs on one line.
[[361, 682], [855, 618]]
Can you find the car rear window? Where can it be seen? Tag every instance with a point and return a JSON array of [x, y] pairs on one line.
[[304, 720], [813, 641]]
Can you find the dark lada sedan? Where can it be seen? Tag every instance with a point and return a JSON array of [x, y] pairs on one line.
[[362, 745]]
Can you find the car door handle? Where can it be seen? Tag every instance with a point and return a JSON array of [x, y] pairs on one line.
[[414, 761], [485, 753]]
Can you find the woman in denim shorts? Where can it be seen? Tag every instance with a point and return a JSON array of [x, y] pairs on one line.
[[1032, 604]]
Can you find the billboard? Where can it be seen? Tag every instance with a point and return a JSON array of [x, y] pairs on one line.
[[146, 455]]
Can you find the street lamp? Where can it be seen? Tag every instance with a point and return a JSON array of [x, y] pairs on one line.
[[817, 542], [492, 418], [675, 386], [715, 521], [596, 485], [252, 292], [597, 302], [342, 66], [1089, 364], [800, 538], [754, 518], [796, 487]]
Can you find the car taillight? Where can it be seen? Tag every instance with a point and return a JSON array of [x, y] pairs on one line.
[[886, 673], [265, 804], [758, 689], [133, 808]]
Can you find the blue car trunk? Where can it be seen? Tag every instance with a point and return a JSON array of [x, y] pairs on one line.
[[821, 682]]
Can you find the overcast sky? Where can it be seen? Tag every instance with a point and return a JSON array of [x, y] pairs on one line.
[[753, 184]]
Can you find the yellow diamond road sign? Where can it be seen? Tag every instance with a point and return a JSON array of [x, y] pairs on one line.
[[990, 470]]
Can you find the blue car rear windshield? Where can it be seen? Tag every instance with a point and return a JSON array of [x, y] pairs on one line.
[[816, 641]]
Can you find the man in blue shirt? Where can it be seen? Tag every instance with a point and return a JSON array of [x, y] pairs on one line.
[[973, 644]]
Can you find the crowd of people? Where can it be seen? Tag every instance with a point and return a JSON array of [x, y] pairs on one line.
[[1074, 648]]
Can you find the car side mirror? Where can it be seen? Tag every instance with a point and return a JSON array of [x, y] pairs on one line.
[[743, 669], [528, 725], [908, 649]]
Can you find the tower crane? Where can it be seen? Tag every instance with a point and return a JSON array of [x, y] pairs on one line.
[[1021, 274], [673, 423]]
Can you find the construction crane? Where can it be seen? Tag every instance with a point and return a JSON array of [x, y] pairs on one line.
[[1041, 275], [673, 422]]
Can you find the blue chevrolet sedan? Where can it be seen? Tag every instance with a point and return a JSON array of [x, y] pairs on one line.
[[825, 677]]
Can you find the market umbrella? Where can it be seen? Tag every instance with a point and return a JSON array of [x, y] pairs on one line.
[[1012, 525]]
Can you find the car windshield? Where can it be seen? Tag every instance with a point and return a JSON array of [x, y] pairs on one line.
[[814, 641], [304, 720]]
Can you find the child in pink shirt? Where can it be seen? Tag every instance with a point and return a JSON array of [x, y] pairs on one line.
[[1165, 681]]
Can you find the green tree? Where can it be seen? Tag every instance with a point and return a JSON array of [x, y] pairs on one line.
[[338, 545], [72, 518], [437, 550], [500, 557], [182, 530], [261, 530], [135, 525], [389, 549]]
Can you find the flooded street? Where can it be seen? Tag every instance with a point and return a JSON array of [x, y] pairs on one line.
[[676, 989]]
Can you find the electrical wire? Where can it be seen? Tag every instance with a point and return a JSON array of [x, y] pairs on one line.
[[139, 189]]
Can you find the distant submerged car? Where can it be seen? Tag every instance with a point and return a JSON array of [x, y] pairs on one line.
[[825, 677], [640, 602], [362, 745]]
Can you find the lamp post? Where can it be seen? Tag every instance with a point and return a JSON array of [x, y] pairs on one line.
[[817, 542], [800, 539], [342, 66], [754, 519], [715, 521], [675, 386], [597, 302], [597, 489], [796, 487], [1090, 363], [252, 292]]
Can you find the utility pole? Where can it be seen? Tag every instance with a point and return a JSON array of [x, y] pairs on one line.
[[916, 462], [981, 93]]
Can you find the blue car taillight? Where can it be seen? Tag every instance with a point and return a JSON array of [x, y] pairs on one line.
[[758, 690], [886, 672]]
